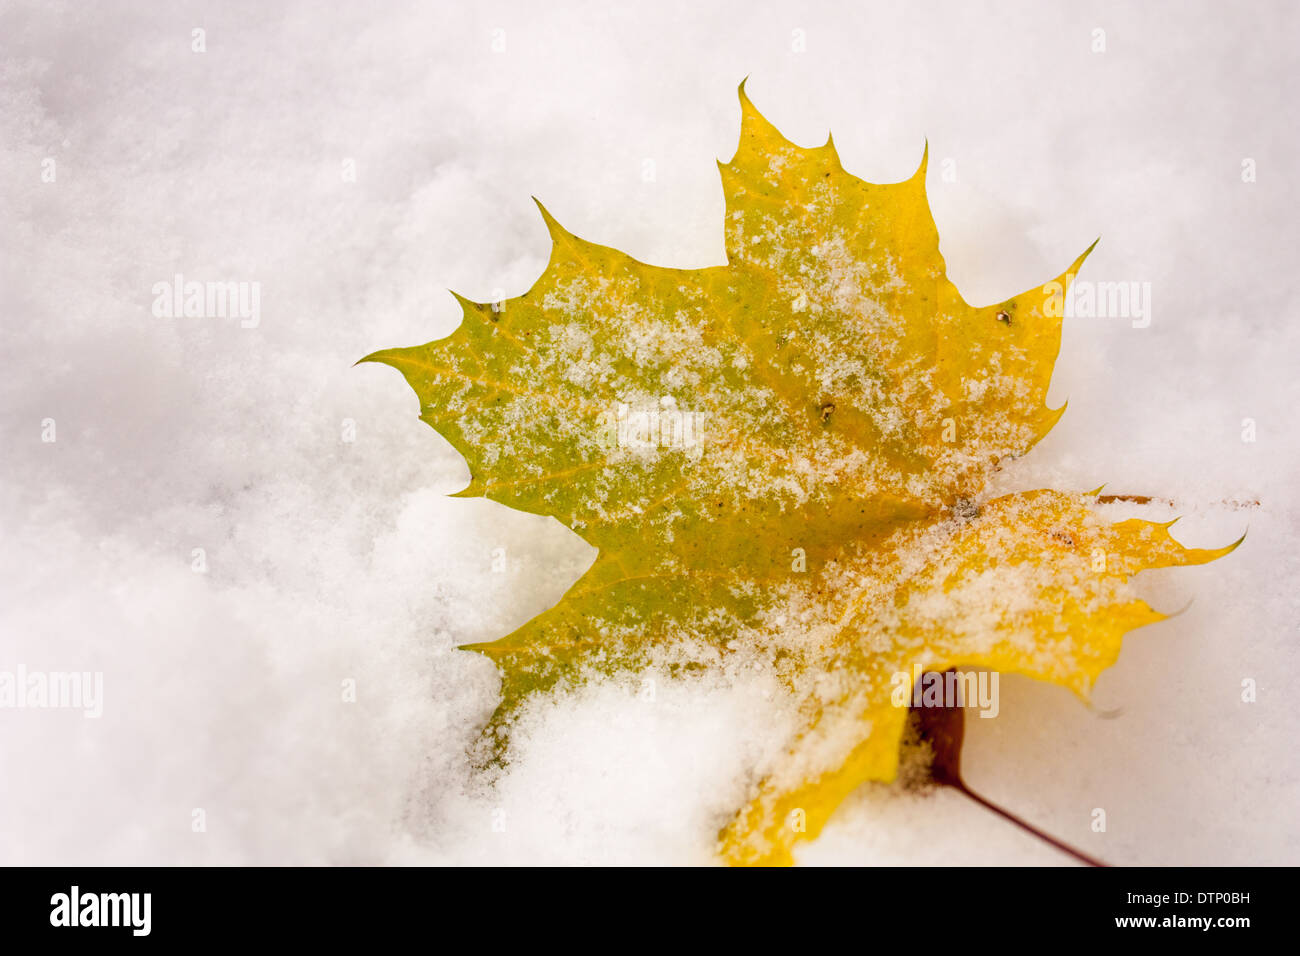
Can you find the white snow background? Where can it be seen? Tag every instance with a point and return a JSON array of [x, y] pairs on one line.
[[329, 560]]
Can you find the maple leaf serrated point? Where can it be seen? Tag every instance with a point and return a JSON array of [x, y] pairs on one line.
[[1066, 278], [557, 232], [1078, 263], [381, 356], [492, 649], [918, 177], [467, 304], [754, 123]]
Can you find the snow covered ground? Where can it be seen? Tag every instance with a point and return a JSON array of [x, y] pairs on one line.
[[326, 560]]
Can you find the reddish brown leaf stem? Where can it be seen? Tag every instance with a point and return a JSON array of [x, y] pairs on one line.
[[1028, 828]]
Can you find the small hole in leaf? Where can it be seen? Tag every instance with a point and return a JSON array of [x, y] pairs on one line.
[[826, 410], [1004, 316]]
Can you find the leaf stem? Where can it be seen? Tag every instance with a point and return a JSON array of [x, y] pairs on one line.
[[1028, 828]]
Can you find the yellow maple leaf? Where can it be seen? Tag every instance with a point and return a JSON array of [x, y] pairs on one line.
[[784, 458]]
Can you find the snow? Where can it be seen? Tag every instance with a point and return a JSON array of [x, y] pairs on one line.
[[330, 561]]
